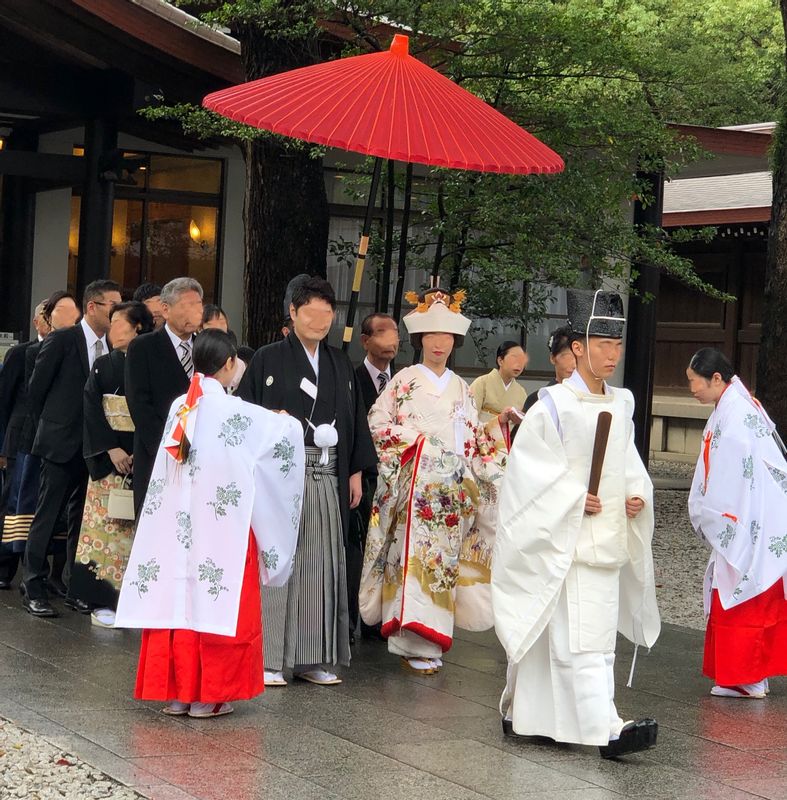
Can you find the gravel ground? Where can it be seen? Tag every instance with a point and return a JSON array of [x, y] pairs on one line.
[[679, 555], [32, 768]]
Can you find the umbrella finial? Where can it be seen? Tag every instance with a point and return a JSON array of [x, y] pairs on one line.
[[400, 45]]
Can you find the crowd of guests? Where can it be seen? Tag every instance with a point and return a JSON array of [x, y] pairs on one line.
[[155, 469]]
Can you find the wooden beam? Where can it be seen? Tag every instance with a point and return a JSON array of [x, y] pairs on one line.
[[64, 170]]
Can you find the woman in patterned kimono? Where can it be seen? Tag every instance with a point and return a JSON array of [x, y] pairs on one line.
[[498, 390], [738, 504], [105, 542], [431, 532], [222, 511]]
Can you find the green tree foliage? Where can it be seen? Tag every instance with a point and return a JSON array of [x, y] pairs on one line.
[[597, 80]]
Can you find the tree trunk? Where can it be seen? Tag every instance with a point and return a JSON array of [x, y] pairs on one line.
[[286, 213], [771, 375]]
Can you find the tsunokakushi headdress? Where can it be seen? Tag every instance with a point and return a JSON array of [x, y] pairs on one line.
[[437, 311]]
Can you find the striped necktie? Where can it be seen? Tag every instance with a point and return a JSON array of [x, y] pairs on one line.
[[382, 380], [185, 358], [98, 350]]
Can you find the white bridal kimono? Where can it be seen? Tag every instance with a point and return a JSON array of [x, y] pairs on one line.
[[738, 499], [431, 532], [245, 469], [563, 582]]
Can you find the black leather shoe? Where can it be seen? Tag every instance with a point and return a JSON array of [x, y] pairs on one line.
[[39, 608], [78, 605], [635, 736], [5, 585]]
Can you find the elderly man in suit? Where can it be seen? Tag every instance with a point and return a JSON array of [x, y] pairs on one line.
[[55, 397], [159, 369], [380, 340]]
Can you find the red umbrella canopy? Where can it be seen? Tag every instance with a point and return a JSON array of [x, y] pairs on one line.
[[391, 105]]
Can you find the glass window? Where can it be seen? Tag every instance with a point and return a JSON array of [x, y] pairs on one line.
[[181, 240], [155, 240]]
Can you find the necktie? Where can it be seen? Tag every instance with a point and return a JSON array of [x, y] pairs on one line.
[[185, 358], [382, 379], [98, 350]]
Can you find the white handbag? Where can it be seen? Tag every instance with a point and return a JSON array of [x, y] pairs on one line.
[[121, 502]]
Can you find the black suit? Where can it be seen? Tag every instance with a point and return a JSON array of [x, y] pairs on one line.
[[55, 396], [13, 421], [359, 521], [154, 378]]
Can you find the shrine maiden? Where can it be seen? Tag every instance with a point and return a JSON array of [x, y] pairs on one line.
[[222, 510], [738, 504], [431, 532], [571, 568]]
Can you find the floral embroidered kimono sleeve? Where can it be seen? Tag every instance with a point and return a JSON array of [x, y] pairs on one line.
[[738, 500]]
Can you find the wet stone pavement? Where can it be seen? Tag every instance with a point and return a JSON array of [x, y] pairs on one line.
[[388, 734]]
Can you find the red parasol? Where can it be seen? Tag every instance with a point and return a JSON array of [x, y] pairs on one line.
[[388, 105]]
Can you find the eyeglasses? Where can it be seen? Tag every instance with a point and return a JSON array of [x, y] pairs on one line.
[[105, 303]]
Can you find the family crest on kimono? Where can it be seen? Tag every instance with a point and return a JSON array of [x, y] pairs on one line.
[[221, 513], [738, 505], [105, 539], [498, 390], [572, 564], [307, 621], [431, 532]]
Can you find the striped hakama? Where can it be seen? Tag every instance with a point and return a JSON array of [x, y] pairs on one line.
[[306, 622]]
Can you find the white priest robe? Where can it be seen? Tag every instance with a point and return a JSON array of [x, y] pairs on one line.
[[245, 469], [563, 582]]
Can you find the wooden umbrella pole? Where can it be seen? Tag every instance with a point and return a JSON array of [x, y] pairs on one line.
[[360, 258]]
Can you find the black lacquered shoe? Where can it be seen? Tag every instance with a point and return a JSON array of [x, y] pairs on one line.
[[634, 737], [38, 608], [78, 605]]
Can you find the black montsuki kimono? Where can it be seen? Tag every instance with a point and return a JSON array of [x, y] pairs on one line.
[[273, 381]]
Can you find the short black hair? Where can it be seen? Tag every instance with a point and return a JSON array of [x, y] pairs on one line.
[[560, 340], [708, 361], [366, 325], [210, 311], [97, 289], [145, 291], [212, 348], [314, 287], [53, 300], [417, 343], [506, 348], [245, 354], [137, 314]]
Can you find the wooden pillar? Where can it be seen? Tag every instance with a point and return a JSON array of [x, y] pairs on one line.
[[98, 194], [641, 327], [18, 210]]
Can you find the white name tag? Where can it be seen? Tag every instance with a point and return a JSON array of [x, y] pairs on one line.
[[308, 387]]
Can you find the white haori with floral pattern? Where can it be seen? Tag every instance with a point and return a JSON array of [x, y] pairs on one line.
[[245, 469], [738, 499]]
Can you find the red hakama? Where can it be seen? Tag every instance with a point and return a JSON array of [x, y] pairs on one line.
[[196, 667], [747, 642]]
